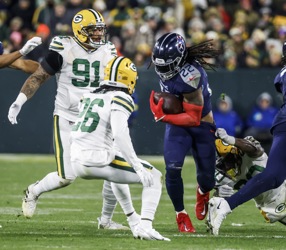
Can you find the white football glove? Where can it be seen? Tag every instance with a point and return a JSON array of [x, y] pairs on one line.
[[224, 191], [145, 176], [221, 133], [15, 108], [30, 45]]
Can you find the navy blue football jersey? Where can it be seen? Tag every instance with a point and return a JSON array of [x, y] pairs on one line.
[[280, 85], [190, 78]]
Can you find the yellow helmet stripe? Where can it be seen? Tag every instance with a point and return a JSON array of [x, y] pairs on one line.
[[114, 68], [97, 15]]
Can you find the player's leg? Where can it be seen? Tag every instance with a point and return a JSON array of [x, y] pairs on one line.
[[204, 153], [272, 177], [109, 205], [177, 143], [123, 173], [54, 180]]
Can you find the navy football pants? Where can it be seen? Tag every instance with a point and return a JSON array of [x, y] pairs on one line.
[[178, 142], [273, 175]]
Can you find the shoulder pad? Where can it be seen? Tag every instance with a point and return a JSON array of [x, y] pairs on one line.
[[58, 43], [190, 75]]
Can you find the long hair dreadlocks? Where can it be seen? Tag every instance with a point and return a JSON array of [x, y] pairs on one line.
[[200, 52]]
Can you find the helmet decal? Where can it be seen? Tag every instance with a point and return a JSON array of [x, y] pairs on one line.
[[180, 44], [133, 67], [78, 18]]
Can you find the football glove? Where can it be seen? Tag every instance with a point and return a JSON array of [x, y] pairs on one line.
[[145, 176], [15, 108], [224, 191], [157, 109], [30, 45], [221, 133]]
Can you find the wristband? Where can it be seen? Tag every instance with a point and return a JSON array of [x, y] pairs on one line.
[[21, 99]]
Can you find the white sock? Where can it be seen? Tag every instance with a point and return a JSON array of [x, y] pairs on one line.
[[109, 202], [50, 182], [146, 224], [183, 211], [200, 191], [151, 197], [123, 196]]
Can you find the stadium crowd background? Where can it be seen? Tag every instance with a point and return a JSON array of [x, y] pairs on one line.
[[249, 33]]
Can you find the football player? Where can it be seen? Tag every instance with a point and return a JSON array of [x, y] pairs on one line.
[[237, 164], [78, 63], [181, 71], [14, 60], [102, 148], [275, 172]]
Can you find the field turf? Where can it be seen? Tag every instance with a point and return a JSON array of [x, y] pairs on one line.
[[66, 218]]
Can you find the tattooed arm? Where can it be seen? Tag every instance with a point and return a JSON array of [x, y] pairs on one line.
[[34, 81], [29, 88]]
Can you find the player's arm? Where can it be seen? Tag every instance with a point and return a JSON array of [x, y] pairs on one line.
[[121, 135], [251, 148], [7, 59], [51, 64], [193, 106], [28, 66], [249, 145]]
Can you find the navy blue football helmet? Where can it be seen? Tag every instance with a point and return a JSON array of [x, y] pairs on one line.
[[168, 55]]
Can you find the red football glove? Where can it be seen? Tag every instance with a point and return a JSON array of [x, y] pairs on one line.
[[157, 109]]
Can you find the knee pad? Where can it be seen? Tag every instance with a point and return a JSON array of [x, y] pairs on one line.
[[173, 173], [157, 175]]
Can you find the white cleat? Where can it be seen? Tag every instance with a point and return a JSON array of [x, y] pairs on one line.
[[218, 210], [29, 203], [150, 234], [133, 222], [111, 225]]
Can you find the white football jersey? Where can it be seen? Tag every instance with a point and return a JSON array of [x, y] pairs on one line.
[[92, 130], [272, 203], [81, 72]]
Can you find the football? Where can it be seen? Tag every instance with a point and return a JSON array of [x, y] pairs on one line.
[[171, 105]]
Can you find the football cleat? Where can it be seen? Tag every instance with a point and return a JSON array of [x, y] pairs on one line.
[[184, 223], [218, 210], [29, 203], [202, 205], [148, 234], [111, 225], [133, 222]]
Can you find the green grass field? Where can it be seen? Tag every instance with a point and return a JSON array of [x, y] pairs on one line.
[[66, 218]]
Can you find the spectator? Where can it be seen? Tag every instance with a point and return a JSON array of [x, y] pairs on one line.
[[118, 17], [226, 117], [259, 121]]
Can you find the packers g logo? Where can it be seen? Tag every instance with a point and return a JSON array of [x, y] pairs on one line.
[[78, 18], [133, 67], [280, 208]]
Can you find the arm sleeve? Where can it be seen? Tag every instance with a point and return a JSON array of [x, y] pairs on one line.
[[122, 138], [52, 62], [191, 117]]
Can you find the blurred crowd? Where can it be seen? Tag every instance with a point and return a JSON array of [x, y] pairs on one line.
[[256, 123], [249, 33]]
